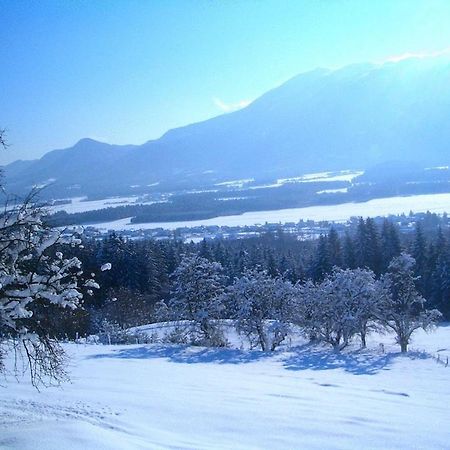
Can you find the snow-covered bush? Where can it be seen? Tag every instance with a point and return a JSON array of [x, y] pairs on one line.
[[196, 301], [177, 335], [261, 307], [35, 278], [111, 333], [402, 309]]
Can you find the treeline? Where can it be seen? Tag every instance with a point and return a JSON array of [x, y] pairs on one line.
[[141, 270]]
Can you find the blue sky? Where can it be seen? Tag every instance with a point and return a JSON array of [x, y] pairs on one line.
[[127, 71]]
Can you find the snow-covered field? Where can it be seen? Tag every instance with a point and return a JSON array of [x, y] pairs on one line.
[[173, 397], [80, 204], [438, 203]]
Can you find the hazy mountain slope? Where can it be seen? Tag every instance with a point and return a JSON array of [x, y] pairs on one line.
[[353, 117], [85, 165]]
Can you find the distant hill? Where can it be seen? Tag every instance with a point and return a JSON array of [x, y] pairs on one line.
[[351, 118]]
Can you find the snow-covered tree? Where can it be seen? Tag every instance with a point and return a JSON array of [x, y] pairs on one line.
[[35, 277], [305, 311], [196, 300], [402, 309], [262, 307], [327, 315], [358, 295], [343, 305]]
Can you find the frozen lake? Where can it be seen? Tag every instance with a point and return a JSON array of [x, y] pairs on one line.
[[437, 203]]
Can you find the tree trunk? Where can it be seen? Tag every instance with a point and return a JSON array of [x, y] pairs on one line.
[[363, 340], [261, 337]]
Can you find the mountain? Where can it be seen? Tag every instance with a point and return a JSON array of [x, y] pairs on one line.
[[351, 118]]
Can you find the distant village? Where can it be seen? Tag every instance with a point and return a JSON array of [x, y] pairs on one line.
[[303, 229]]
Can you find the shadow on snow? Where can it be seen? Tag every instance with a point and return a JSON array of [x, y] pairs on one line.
[[308, 356], [187, 354], [357, 362]]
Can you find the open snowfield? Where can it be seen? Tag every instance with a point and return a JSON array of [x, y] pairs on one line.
[[437, 203], [172, 397], [80, 204]]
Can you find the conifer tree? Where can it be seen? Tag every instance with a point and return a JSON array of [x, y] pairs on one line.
[[321, 264], [419, 253], [334, 248], [349, 256]]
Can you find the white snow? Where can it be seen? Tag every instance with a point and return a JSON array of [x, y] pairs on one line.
[[343, 175], [80, 204], [172, 397], [437, 203], [227, 199], [333, 191], [236, 183]]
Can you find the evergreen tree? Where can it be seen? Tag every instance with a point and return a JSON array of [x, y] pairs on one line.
[[440, 276], [419, 253], [334, 248], [349, 252], [390, 243], [373, 250], [321, 264]]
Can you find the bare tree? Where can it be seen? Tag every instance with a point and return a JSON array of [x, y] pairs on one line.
[[342, 306], [35, 278], [262, 307], [3, 141]]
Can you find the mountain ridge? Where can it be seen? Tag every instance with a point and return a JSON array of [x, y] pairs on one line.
[[347, 118]]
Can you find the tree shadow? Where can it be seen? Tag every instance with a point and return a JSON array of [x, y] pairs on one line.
[[304, 357], [186, 354], [359, 362]]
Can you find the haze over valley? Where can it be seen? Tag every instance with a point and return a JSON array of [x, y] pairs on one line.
[[323, 137]]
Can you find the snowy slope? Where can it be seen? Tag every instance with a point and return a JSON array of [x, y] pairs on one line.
[[172, 397]]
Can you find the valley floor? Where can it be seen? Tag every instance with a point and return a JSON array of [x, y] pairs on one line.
[[435, 203], [172, 397]]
